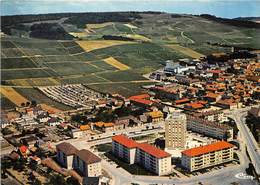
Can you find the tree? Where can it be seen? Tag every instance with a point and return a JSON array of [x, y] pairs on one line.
[[33, 103], [36, 182], [28, 104], [57, 179], [72, 181]]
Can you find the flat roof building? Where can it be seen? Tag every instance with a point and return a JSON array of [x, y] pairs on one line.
[[209, 128], [205, 156], [175, 131], [150, 157]]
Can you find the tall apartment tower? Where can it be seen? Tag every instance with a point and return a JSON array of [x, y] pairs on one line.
[[175, 131]]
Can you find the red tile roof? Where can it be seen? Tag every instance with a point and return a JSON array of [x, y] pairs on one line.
[[123, 140], [184, 100], [129, 143], [141, 99], [212, 95], [215, 71], [194, 105], [152, 150], [207, 149], [141, 96]]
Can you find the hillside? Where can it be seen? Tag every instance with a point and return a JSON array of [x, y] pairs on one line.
[[107, 54]]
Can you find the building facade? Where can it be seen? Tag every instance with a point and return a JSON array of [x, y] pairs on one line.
[[175, 131], [87, 163], [206, 156], [148, 156], [209, 128], [65, 154]]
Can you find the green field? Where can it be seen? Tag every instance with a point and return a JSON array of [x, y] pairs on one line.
[[10, 63]]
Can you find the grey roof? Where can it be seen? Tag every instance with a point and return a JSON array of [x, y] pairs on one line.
[[67, 148], [87, 156]]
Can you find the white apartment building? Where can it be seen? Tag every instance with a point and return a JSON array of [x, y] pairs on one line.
[[65, 154], [150, 157], [214, 116], [87, 163], [209, 128], [84, 161], [206, 156], [175, 131]]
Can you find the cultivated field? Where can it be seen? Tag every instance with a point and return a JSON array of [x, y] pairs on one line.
[[113, 62], [98, 44], [13, 96], [186, 51]]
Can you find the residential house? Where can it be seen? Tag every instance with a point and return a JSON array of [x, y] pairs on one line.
[[76, 133], [54, 122], [104, 127], [155, 116]]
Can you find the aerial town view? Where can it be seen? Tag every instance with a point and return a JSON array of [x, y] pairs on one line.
[[127, 92]]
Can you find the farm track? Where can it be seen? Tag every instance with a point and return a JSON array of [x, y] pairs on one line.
[[185, 37], [21, 69], [94, 83]]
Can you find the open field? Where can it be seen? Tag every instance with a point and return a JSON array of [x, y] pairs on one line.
[[113, 62], [137, 37], [79, 34], [13, 96], [36, 95], [25, 73], [35, 82], [50, 108], [126, 88], [6, 103], [13, 63], [96, 26], [186, 51], [98, 44]]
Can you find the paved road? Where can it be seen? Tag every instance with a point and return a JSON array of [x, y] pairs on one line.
[[252, 146]]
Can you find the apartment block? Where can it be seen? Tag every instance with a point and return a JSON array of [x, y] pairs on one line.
[[175, 131], [209, 128], [87, 163], [206, 156], [83, 161], [65, 154], [148, 156]]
